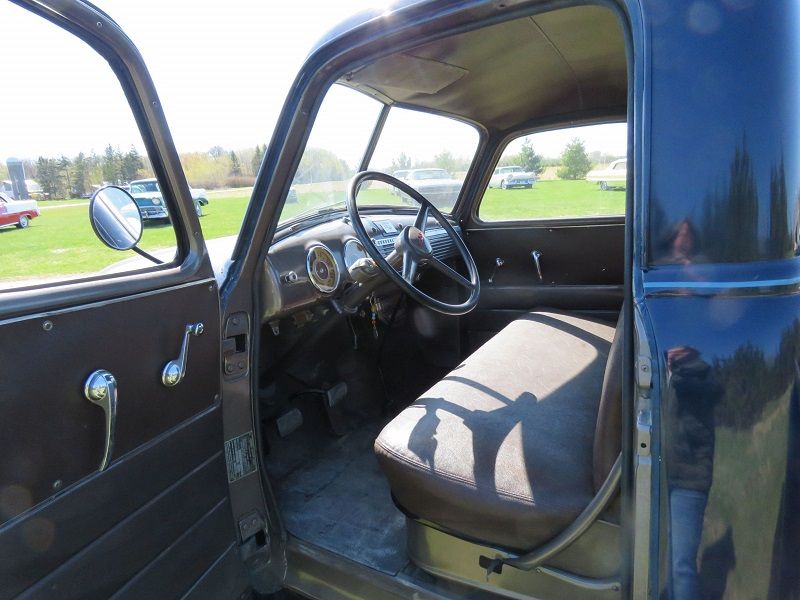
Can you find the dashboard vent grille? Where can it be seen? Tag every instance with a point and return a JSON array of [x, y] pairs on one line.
[[443, 246]]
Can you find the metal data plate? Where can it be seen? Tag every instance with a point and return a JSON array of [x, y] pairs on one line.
[[240, 456]]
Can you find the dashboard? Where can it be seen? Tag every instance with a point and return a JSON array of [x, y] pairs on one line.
[[312, 265]]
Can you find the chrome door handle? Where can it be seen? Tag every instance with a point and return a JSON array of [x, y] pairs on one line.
[[101, 389], [536, 255], [175, 370]]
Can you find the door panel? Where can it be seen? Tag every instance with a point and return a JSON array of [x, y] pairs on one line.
[[582, 270], [72, 531]]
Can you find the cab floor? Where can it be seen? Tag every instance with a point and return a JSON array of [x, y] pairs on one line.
[[333, 495]]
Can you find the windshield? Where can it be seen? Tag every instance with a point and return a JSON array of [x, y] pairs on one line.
[[413, 146], [333, 152], [429, 148], [140, 187]]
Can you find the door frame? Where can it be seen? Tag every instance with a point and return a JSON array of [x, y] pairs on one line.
[[343, 49]]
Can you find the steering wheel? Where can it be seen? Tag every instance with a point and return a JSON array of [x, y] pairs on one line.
[[412, 249]]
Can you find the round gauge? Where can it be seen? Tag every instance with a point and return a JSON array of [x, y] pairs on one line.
[[353, 250], [322, 269]]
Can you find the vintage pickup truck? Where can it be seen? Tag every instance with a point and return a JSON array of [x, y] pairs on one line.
[[376, 400], [17, 212]]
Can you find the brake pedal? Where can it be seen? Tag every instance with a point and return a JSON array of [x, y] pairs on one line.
[[332, 400], [289, 422]]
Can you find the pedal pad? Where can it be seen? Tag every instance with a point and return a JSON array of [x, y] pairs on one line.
[[289, 422], [333, 403]]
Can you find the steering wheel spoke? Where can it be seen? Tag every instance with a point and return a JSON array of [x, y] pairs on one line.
[[410, 266], [450, 272], [422, 218]]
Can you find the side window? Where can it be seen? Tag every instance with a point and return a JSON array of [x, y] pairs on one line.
[[564, 173], [67, 130]]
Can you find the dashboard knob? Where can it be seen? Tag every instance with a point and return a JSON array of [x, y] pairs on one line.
[[290, 277]]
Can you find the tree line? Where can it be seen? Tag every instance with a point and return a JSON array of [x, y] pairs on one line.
[[65, 177], [573, 163]]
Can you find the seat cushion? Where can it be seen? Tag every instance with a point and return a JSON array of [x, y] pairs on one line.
[[500, 450]]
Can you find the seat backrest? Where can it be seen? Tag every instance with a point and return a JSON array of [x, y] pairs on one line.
[[608, 430]]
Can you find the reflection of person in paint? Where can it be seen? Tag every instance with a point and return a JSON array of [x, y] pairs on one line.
[[690, 461], [681, 246]]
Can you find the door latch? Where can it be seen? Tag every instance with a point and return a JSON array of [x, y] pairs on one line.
[[236, 345], [101, 389], [175, 370]]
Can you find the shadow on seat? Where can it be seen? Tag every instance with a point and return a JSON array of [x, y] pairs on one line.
[[510, 447]]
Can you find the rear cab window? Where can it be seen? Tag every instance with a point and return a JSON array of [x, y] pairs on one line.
[[568, 173]]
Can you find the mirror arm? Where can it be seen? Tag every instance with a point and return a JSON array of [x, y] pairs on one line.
[[141, 252]]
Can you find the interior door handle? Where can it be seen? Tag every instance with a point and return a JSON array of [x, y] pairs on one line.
[[101, 389], [536, 255]]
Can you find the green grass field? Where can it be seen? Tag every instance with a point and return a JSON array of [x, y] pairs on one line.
[[61, 240], [548, 199]]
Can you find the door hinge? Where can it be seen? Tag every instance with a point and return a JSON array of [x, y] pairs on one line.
[[236, 346], [644, 375]]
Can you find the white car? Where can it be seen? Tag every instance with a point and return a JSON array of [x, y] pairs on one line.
[[147, 196], [511, 177], [437, 185], [615, 175], [17, 212]]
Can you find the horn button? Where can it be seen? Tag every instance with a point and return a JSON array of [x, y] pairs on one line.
[[413, 240]]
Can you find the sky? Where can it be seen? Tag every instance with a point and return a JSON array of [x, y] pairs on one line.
[[222, 71]]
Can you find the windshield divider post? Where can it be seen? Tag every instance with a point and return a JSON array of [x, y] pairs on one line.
[[373, 140]]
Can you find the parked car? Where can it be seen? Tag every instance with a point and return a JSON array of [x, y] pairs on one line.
[[511, 177], [147, 194], [435, 184], [17, 212], [379, 403], [614, 175]]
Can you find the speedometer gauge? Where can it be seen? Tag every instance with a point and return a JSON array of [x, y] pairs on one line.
[[353, 250], [322, 269]]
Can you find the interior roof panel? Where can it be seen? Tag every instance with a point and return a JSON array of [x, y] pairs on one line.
[[563, 62]]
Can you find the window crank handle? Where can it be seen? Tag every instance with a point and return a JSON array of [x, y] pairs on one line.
[[498, 262], [536, 255], [175, 370]]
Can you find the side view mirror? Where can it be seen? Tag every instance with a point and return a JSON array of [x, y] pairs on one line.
[[117, 221], [115, 218]]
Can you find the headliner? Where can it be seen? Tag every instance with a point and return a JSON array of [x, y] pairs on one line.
[[561, 64]]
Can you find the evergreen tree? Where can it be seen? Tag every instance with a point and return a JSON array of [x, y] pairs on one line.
[[529, 160], [47, 174], [575, 163], [131, 163], [257, 157], [65, 187], [79, 175], [109, 165], [236, 167], [400, 163]]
